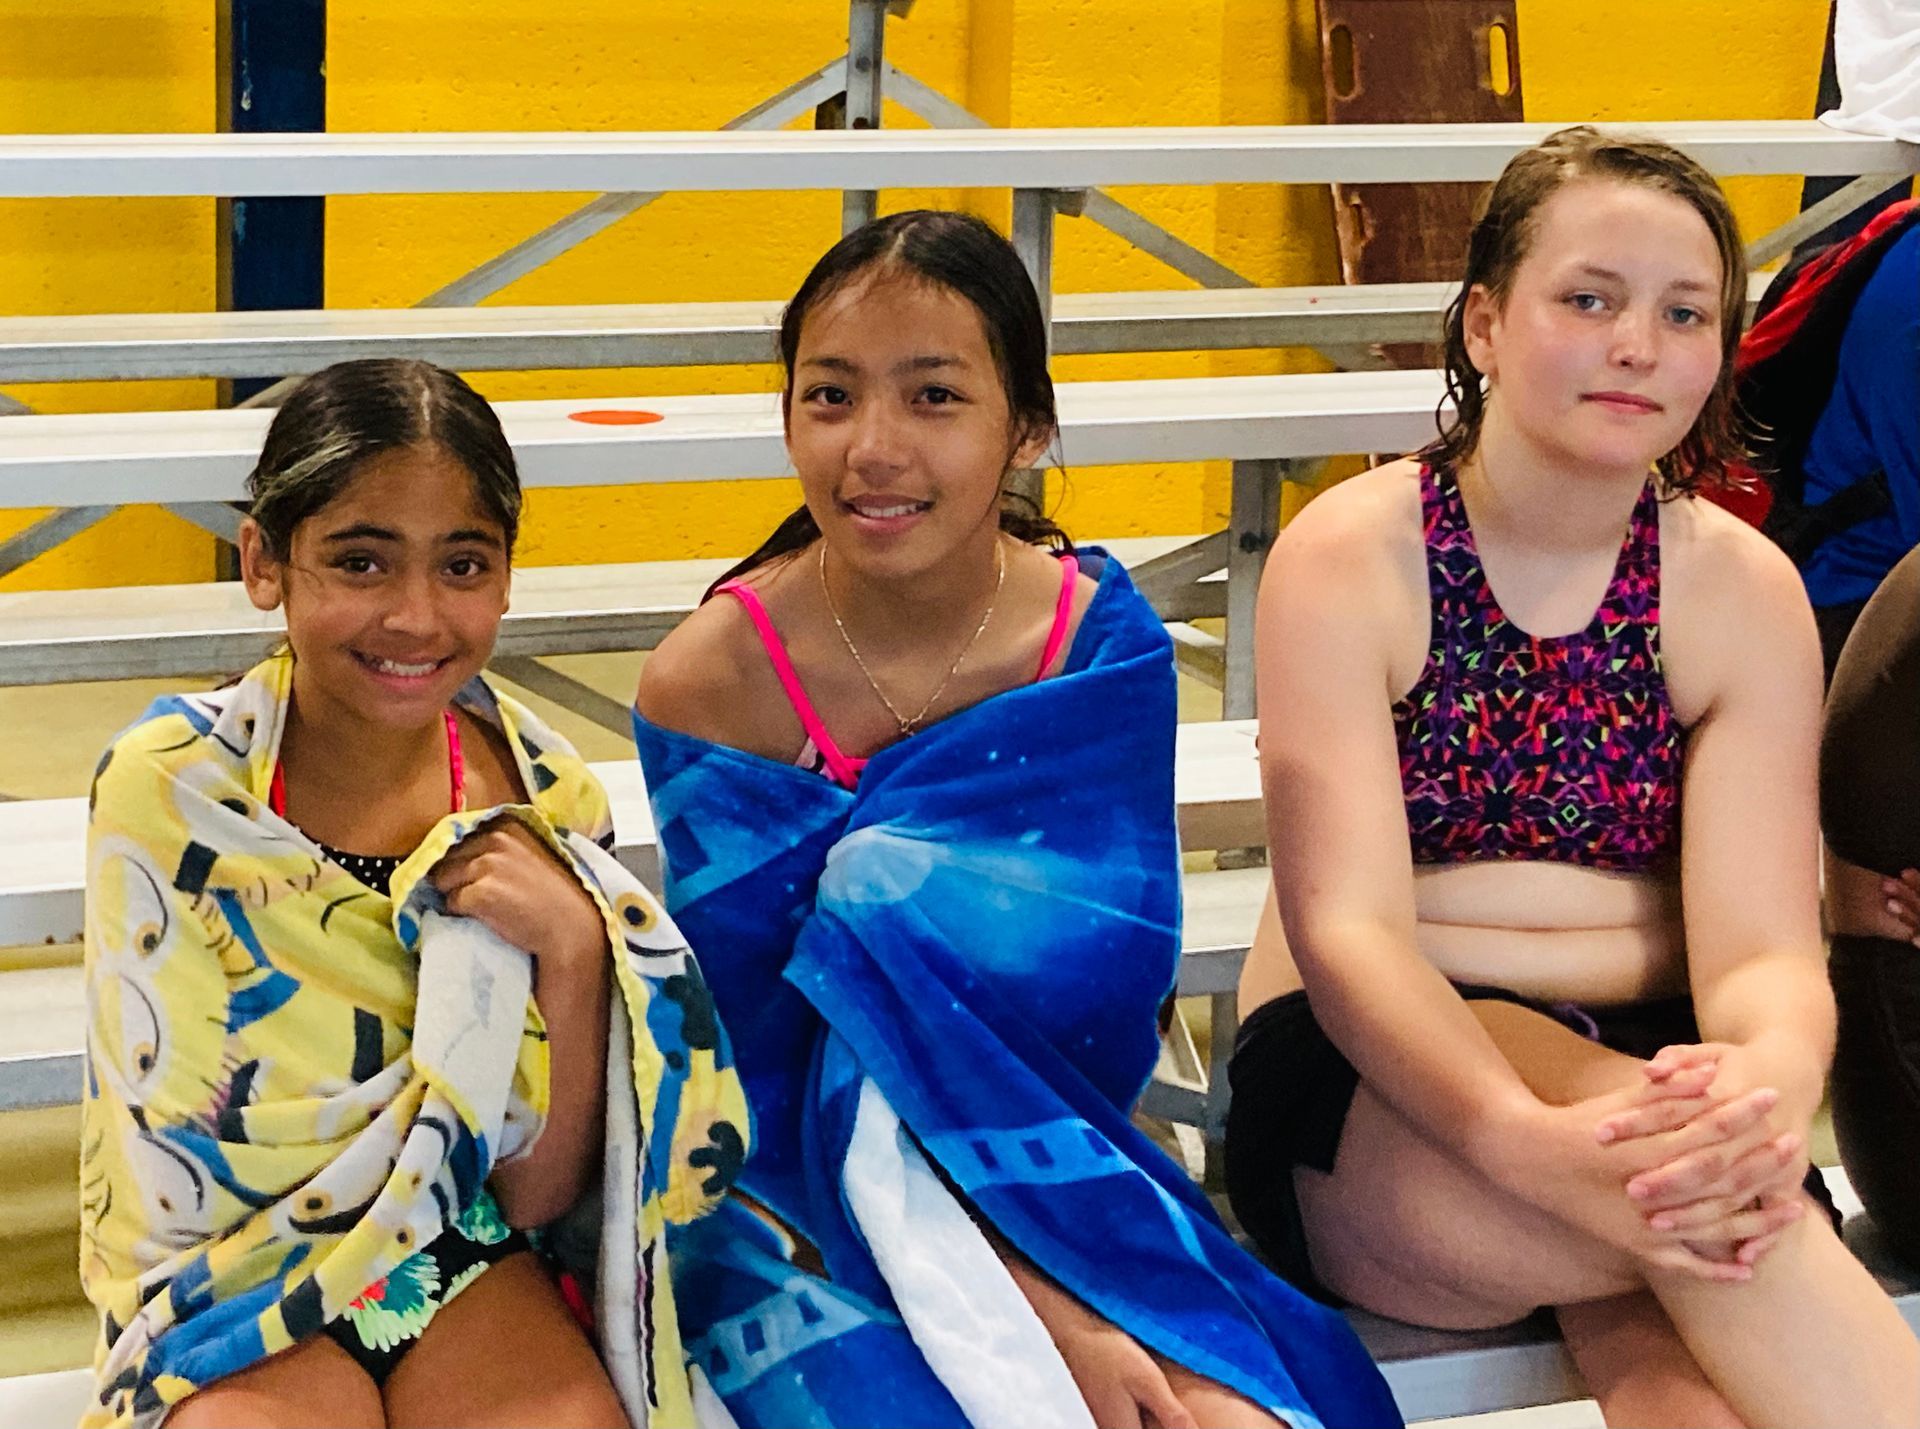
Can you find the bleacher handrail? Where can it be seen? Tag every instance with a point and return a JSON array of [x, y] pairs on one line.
[[118, 458], [130, 346], [259, 165]]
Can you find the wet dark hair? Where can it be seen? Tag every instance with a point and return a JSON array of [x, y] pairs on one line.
[[1503, 235], [963, 255], [334, 420]]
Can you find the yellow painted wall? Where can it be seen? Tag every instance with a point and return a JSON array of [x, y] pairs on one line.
[[1652, 59], [611, 65], [107, 66], [614, 64]]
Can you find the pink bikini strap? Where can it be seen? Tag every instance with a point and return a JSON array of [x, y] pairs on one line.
[[1057, 637], [845, 771]]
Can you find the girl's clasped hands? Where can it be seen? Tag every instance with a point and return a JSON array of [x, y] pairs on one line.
[[1709, 1168]]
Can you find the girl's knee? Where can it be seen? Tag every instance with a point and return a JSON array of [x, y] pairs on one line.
[[283, 1390]]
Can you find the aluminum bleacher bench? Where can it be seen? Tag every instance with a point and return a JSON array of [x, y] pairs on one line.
[[115, 346], [1433, 1373], [1258, 423], [189, 457], [146, 632], [43, 875], [1044, 168], [41, 1016], [113, 459], [106, 347], [250, 165]]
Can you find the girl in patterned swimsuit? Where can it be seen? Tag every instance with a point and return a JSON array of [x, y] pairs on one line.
[[385, 505], [1542, 1015]]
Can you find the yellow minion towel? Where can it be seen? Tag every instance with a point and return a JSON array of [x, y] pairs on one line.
[[294, 1083]]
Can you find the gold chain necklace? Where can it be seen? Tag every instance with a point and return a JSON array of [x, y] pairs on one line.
[[908, 726]]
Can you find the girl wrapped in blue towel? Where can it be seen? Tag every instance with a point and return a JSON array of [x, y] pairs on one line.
[[912, 766]]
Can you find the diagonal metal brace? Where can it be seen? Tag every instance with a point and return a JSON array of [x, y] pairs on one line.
[[215, 517], [565, 691], [1150, 238], [1836, 205], [531, 253], [583, 223], [1199, 654], [1162, 576], [50, 531], [1142, 232]]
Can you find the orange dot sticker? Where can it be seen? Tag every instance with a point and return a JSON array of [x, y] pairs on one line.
[[616, 417]]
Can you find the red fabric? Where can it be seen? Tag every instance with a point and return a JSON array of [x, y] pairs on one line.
[[1062, 611], [1771, 333], [844, 769], [1753, 499], [576, 1298], [456, 773], [1750, 501]]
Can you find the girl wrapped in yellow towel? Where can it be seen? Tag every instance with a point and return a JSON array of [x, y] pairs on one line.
[[369, 1000]]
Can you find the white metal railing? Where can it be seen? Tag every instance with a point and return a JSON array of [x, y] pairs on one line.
[[122, 346], [260, 165], [203, 456]]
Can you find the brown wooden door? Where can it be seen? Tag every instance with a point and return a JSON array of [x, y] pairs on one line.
[[1410, 62]]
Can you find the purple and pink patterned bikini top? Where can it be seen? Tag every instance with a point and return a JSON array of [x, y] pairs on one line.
[[1566, 749]]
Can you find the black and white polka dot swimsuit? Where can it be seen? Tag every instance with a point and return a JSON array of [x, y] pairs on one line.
[[376, 870]]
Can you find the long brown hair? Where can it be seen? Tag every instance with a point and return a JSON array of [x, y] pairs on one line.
[[1502, 236]]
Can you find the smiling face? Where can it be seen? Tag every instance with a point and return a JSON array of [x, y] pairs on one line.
[[1608, 340], [899, 427], [393, 590]]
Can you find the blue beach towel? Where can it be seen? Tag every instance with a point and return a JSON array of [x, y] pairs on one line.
[[947, 982]]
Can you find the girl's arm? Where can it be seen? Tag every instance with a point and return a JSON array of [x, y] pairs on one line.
[[1871, 726], [1342, 861], [1750, 838], [1749, 876], [540, 1186], [1120, 1381], [1863, 903]]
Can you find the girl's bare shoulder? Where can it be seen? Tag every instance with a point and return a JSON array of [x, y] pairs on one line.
[[1732, 609], [1710, 556], [711, 676], [1364, 534]]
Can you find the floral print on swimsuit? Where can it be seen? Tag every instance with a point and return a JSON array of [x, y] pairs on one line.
[[393, 1311]]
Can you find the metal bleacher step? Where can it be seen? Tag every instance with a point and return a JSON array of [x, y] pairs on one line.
[[117, 458], [1433, 1373], [206, 628], [740, 160], [108, 346], [43, 866], [118, 346]]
